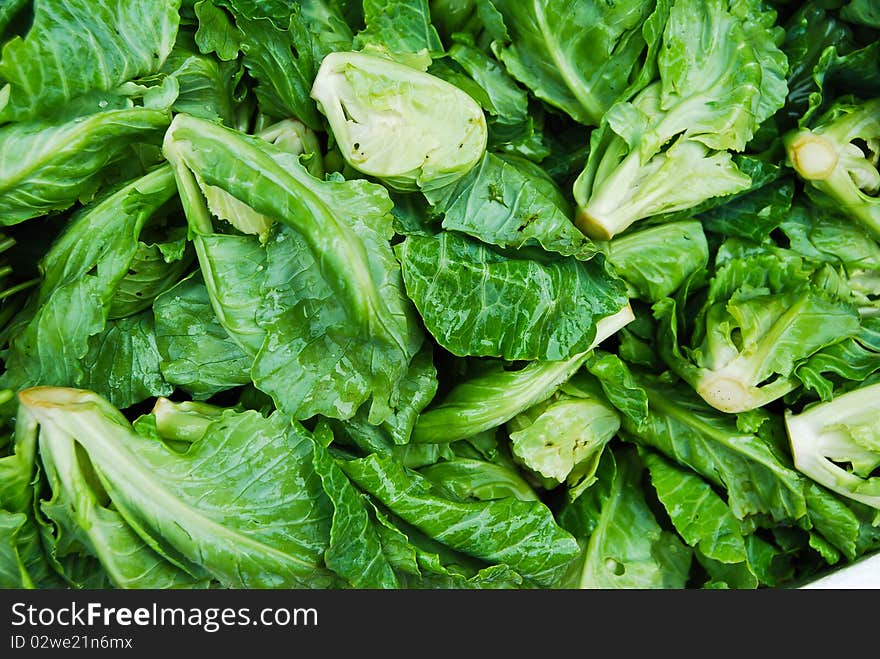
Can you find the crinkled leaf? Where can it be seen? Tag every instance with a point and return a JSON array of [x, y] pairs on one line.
[[79, 46], [853, 359], [761, 485], [15, 548], [23, 563], [153, 269], [476, 301], [619, 385], [505, 205], [520, 534], [499, 392], [578, 56], [277, 51], [700, 516], [330, 260], [400, 27], [216, 33], [468, 478], [224, 507], [208, 86], [722, 72], [339, 364], [355, 550], [502, 98], [655, 261], [753, 215]]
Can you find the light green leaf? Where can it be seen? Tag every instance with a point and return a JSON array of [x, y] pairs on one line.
[[216, 32], [223, 507], [153, 269], [757, 483], [467, 478], [498, 394], [765, 312], [208, 86], [277, 51], [699, 515], [504, 99], [85, 526], [79, 46], [720, 75], [761, 485], [330, 261], [562, 439], [66, 158], [13, 570], [23, 561], [355, 550], [655, 261], [399, 27], [309, 330], [231, 266]]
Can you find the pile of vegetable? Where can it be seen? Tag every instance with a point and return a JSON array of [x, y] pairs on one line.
[[448, 294]]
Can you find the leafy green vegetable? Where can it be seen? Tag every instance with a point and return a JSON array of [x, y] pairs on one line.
[[757, 323], [468, 478], [180, 503], [400, 28], [438, 294], [328, 262], [62, 323], [90, 47], [562, 439], [503, 203], [522, 534], [577, 56], [497, 395], [623, 544], [724, 542], [67, 157], [761, 484], [355, 544], [515, 308], [82, 521], [499, 94], [276, 50], [655, 261], [23, 564], [124, 361], [721, 74], [196, 352]]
